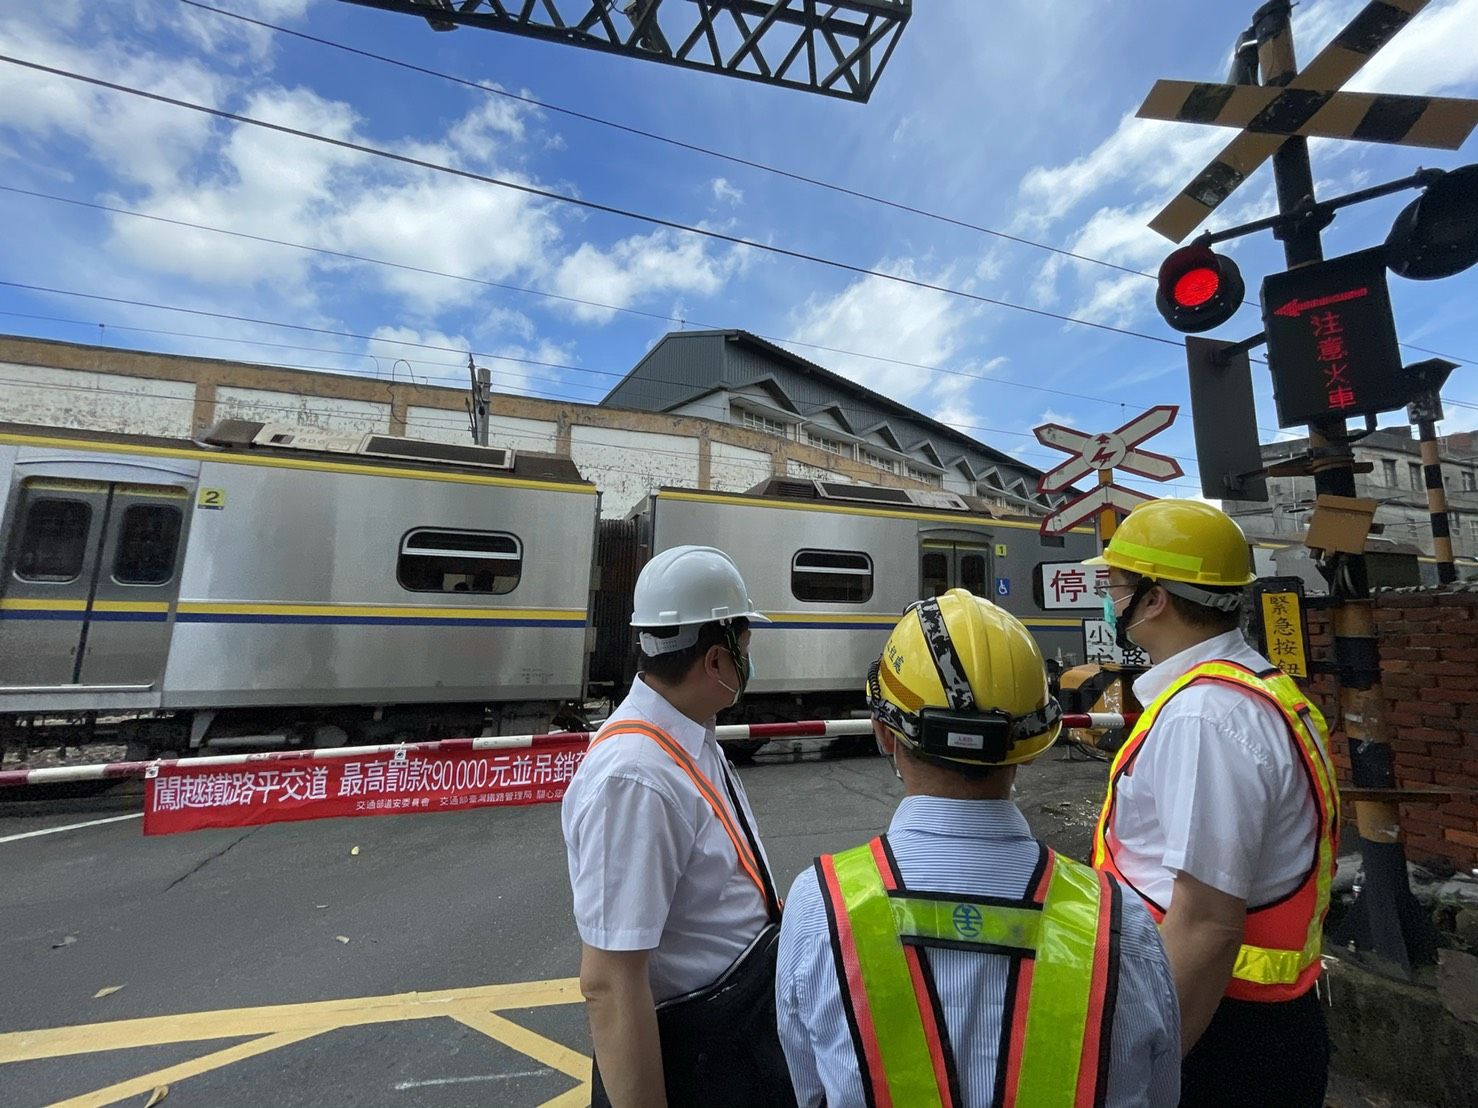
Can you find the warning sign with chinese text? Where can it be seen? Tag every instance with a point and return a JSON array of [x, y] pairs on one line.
[[182, 797]]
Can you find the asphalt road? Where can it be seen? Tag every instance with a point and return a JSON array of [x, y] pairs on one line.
[[399, 960]]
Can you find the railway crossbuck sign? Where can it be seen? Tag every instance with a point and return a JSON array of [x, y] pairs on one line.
[[1118, 449], [1311, 105]]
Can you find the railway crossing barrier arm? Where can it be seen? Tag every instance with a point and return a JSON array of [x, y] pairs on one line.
[[802, 729]]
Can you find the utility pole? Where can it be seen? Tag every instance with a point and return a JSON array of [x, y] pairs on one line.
[[1385, 916], [477, 404]]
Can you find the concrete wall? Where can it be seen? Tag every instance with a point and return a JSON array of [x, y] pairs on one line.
[[329, 413], [737, 468], [626, 453], [440, 425], [627, 465], [102, 401]]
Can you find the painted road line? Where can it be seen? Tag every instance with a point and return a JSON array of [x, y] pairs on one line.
[[69, 827], [315, 1016], [403, 1086]]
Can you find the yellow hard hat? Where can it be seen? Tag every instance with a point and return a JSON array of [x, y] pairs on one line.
[[1181, 540], [962, 682]]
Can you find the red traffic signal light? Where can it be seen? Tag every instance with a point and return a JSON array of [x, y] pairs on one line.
[[1199, 289]]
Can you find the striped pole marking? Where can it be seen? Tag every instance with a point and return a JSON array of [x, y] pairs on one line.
[[1438, 122], [803, 729]]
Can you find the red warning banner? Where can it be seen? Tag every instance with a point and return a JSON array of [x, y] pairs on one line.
[[184, 797]]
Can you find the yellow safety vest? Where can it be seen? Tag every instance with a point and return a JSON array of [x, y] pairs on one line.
[[1062, 938], [1282, 941]]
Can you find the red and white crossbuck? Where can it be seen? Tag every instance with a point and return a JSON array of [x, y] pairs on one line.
[[1118, 449]]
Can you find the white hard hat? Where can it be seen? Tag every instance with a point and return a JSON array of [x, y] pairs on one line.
[[686, 587]]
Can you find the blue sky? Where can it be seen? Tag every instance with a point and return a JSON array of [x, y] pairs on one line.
[[1013, 115]]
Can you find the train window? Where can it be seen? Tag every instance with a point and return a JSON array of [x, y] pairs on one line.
[[487, 562], [1058, 541], [835, 576], [147, 543], [935, 567], [972, 574], [54, 544]]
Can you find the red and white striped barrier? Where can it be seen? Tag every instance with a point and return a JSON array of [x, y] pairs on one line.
[[803, 729]]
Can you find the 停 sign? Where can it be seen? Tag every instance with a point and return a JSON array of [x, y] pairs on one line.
[[183, 797], [1063, 586], [1332, 340]]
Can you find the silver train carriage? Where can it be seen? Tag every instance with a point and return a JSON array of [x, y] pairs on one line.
[[287, 586], [835, 565]]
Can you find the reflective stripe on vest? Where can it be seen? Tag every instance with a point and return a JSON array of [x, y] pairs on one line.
[[1279, 958], [1056, 1026], [747, 861]]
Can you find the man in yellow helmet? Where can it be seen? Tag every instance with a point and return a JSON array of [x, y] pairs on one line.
[[956, 960], [1221, 812]]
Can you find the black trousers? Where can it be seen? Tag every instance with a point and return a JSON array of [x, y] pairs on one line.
[[1268, 1055]]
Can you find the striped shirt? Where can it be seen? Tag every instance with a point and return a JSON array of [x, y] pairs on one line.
[[982, 848]]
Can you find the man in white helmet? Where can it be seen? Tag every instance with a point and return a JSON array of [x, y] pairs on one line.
[[672, 890]]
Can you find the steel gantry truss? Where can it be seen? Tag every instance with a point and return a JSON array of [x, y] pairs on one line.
[[834, 47]]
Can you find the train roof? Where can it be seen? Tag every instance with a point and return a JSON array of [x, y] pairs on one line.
[[830, 496], [262, 443]]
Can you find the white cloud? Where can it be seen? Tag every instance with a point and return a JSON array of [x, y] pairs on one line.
[[725, 193], [638, 268], [892, 320], [139, 141]]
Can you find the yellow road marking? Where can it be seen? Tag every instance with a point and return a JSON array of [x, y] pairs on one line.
[[196, 1066], [270, 1027], [578, 1097], [315, 1016], [554, 1055]]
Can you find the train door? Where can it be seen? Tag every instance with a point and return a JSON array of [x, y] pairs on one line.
[[90, 577], [946, 564]]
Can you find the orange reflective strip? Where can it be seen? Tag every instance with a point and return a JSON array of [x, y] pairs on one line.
[[1017, 1042], [934, 1035], [747, 862]]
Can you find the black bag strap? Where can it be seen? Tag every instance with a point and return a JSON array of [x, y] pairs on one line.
[[772, 902]]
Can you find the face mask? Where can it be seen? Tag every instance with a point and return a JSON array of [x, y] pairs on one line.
[[1111, 617]]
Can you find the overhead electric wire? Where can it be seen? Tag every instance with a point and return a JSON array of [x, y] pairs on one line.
[[696, 148], [589, 205], [1006, 456], [96, 206], [691, 147]]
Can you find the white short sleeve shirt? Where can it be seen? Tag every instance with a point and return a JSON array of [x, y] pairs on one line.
[[651, 867], [1217, 791]]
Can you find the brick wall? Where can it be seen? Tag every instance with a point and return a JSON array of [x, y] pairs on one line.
[[1429, 665]]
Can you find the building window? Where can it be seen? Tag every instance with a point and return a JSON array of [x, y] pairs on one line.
[[1414, 471], [147, 543], [926, 476], [756, 422], [831, 446], [54, 544], [1473, 533], [877, 461], [1470, 481], [1388, 471], [487, 562], [831, 576]]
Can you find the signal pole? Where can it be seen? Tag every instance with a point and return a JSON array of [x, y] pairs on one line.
[[1385, 916]]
